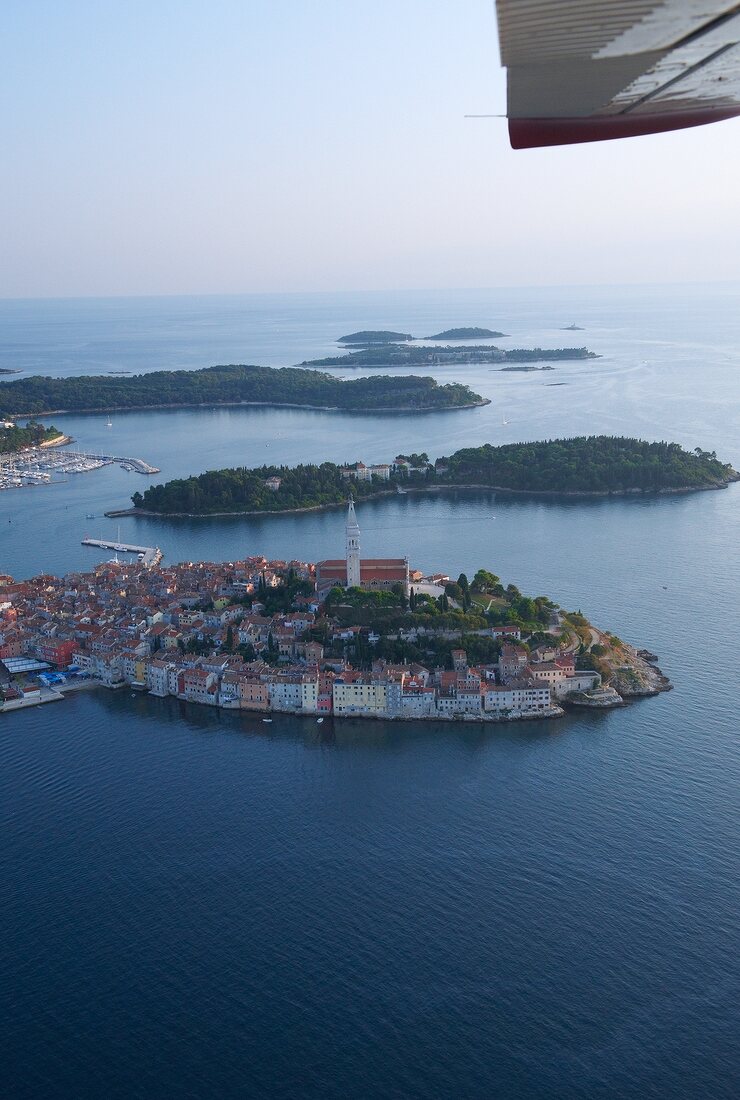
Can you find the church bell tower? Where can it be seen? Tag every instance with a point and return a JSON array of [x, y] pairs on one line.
[[352, 535]]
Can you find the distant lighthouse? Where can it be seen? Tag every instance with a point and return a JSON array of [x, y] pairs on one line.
[[352, 536]]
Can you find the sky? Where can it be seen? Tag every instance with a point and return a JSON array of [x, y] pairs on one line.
[[236, 146]]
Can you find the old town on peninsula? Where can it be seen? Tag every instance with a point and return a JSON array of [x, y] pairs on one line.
[[347, 637]]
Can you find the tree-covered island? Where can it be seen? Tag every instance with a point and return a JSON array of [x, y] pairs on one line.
[[14, 438], [583, 466], [231, 385], [374, 336], [367, 337], [466, 334], [407, 355]]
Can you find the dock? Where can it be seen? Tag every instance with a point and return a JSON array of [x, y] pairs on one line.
[[138, 465], [149, 556]]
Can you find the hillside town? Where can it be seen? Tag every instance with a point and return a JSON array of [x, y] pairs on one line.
[[203, 632]]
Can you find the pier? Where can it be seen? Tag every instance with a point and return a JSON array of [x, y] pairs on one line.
[[138, 465], [149, 556]]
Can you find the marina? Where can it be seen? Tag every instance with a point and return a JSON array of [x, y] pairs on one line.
[[41, 466]]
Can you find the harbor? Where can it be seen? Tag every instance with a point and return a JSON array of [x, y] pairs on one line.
[[42, 466], [149, 556]]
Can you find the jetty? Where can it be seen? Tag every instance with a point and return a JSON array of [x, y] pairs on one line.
[[149, 556]]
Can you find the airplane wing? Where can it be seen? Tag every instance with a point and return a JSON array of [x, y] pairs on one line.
[[588, 70]]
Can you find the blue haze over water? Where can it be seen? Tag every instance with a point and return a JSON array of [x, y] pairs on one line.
[[196, 904]]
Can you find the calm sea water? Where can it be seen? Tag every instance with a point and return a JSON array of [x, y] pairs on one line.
[[198, 905]]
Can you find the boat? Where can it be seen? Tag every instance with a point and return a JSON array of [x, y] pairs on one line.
[[400, 490], [109, 423], [319, 721], [89, 515], [267, 719], [504, 421]]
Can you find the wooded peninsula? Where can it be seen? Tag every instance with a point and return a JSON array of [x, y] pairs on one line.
[[588, 466], [406, 355], [231, 385], [14, 438]]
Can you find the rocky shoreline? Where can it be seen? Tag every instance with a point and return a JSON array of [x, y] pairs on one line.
[[249, 404]]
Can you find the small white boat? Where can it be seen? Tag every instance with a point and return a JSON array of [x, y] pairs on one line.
[[109, 423], [267, 719], [319, 721]]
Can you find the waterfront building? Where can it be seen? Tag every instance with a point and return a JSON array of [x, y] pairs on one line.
[[518, 696], [358, 695], [358, 471]]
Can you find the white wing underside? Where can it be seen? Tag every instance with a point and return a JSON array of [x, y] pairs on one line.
[[584, 70]]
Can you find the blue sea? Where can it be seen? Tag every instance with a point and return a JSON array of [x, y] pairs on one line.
[[196, 904]]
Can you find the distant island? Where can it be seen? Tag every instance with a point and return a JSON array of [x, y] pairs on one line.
[[373, 336], [231, 385], [9, 370], [466, 334], [370, 337], [572, 328], [407, 355], [13, 438], [582, 466]]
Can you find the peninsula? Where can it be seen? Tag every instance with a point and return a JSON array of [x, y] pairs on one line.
[[583, 466], [407, 355], [231, 385], [14, 438], [343, 638]]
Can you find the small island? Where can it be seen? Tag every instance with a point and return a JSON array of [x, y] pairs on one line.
[[14, 438], [587, 466], [466, 334], [232, 385], [374, 336], [406, 355]]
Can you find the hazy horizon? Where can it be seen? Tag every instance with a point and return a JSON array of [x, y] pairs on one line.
[[240, 148], [368, 291]]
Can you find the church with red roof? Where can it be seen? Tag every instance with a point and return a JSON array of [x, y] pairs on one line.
[[352, 571]]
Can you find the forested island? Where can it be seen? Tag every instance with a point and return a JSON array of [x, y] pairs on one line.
[[231, 385], [406, 355], [368, 337], [374, 336], [466, 334], [15, 438], [586, 465]]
